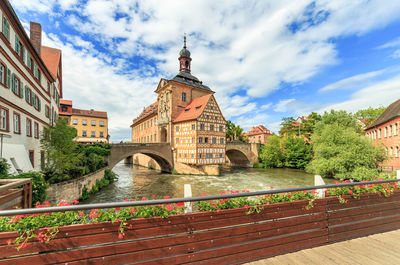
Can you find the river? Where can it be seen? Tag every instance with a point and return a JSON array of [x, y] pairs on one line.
[[136, 182]]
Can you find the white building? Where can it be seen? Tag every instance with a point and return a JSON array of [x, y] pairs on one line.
[[30, 88]]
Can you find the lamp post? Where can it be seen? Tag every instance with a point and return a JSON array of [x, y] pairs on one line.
[[299, 120]]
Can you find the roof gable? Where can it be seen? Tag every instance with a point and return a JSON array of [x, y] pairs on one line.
[[392, 111], [51, 57], [194, 109]]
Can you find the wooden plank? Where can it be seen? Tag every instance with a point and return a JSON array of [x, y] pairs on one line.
[[364, 231], [362, 201], [257, 230], [363, 223], [360, 217], [10, 196], [12, 183], [364, 209]]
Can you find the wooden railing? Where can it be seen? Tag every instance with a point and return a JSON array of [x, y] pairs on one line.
[[223, 237], [15, 193]]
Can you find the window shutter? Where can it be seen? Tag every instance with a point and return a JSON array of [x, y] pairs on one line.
[[21, 90], [24, 54], [17, 49], [39, 106], [13, 82], [28, 60], [26, 94], [8, 78]]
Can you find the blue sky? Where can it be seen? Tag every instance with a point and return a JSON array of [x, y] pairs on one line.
[[264, 59]]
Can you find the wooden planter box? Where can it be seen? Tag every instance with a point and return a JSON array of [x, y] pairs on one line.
[[227, 236]]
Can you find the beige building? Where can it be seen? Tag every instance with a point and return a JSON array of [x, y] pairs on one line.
[[187, 116], [91, 125], [30, 88]]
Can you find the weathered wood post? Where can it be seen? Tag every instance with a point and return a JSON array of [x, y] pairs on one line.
[[319, 181], [188, 193]]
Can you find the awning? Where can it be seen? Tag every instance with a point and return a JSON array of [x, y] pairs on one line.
[[18, 157]]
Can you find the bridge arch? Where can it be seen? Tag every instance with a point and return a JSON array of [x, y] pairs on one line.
[[160, 152], [242, 154]]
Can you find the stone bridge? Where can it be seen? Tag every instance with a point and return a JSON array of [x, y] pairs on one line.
[[160, 152], [242, 154], [238, 153]]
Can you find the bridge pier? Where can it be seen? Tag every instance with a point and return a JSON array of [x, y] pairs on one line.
[[128, 160]]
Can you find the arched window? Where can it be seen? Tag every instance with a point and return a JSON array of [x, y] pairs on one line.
[[186, 64], [386, 132], [391, 151], [397, 152], [380, 133], [390, 130], [396, 128]]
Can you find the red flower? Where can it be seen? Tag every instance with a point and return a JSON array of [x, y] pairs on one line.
[[81, 213], [130, 226], [204, 194], [144, 199], [167, 197], [75, 202], [153, 196], [126, 200], [23, 245], [246, 206], [169, 207], [132, 210], [179, 204], [118, 208], [350, 191], [120, 236]]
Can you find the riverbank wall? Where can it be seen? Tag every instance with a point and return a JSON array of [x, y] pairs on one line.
[[179, 168], [71, 190]]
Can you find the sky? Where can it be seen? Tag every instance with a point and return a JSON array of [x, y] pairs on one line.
[[264, 59]]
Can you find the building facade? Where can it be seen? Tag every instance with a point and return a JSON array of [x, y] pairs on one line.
[[386, 130], [187, 116], [30, 89], [258, 134], [91, 125]]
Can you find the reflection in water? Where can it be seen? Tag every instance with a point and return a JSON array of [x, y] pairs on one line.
[[136, 182]]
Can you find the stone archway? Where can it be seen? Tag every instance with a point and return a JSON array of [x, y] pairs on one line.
[[160, 152], [238, 158], [242, 154]]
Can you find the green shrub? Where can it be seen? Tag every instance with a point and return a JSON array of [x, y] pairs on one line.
[[4, 167]]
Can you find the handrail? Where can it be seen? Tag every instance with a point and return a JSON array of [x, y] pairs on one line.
[[12, 183], [176, 200]]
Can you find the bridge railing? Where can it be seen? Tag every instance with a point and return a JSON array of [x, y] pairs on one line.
[[217, 237], [188, 199]]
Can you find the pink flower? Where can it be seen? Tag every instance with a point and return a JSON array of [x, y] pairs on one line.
[[204, 194], [179, 204], [120, 236], [126, 200], [153, 196], [144, 199], [75, 202], [246, 206], [9, 242], [167, 197], [81, 213], [130, 226], [169, 207], [23, 245]]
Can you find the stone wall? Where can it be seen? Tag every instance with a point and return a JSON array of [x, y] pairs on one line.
[[145, 161], [72, 189], [213, 170]]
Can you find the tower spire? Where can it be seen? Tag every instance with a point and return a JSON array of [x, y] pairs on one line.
[[184, 57], [184, 40]]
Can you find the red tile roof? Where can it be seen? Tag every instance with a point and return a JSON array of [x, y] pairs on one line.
[[391, 112], [51, 57], [152, 109], [66, 102], [194, 109], [90, 113], [260, 129]]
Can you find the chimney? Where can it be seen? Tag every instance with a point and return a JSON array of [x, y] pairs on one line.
[[36, 36]]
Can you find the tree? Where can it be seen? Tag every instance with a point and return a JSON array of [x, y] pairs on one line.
[[296, 151], [341, 151], [60, 150], [290, 126], [234, 132], [271, 154], [287, 126], [369, 115]]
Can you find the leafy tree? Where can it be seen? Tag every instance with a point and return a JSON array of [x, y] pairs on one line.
[[287, 126], [271, 154], [369, 115], [290, 126], [297, 152], [234, 132], [60, 150], [340, 150]]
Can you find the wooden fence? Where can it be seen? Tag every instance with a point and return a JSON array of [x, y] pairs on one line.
[[224, 237], [15, 193]]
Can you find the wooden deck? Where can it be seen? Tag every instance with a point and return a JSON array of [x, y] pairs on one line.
[[374, 249]]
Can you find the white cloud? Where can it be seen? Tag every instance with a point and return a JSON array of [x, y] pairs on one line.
[[390, 44], [351, 82], [283, 105]]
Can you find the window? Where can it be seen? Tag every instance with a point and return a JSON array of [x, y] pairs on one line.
[[220, 155], [199, 155], [75, 121], [17, 46], [93, 134], [17, 123], [177, 128], [151, 138], [47, 111], [177, 140], [390, 130], [391, 152], [3, 73], [185, 155], [32, 157], [15, 87], [221, 128], [6, 28], [397, 151], [193, 140], [166, 96], [28, 95], [222, 140], [200, 140], [380, 133], [205, 139], [184, 97], [36, 130], [386, 132], [211, 127], [93, 123], [202, 127], [155, 137], [84, 133], [42, 159], [28, 127], [101, 123], [193, 127], [101, 134], [147, 138], [396, 128], [84, 122], [214, 140], [3, 119], [192, 155], [211, 155]]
